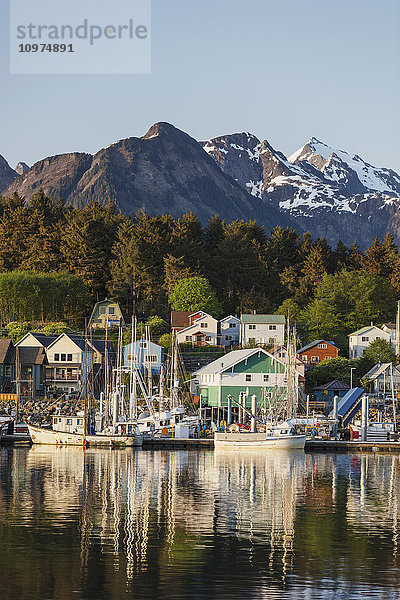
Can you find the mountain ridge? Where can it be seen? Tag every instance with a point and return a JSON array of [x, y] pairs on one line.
[[318, 188]]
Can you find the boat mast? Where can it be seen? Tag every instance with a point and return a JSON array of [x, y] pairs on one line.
[[18, 381], [106, 375]]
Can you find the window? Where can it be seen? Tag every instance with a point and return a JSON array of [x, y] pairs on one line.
[[188, 338], [150, 358], [102, 310], [63, 357], [272, 327], [315, 359], [79, 421], [248, 377], [265, 377], [323, 346], [69, 421], [56, 357], [208, 338], [228, 338], [232, 325], [203, 325], [7, 370], [111, 310], [69, 357], [142, 344], [252, 326], [365, 338]]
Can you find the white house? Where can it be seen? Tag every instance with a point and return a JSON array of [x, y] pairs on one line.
[[390, 328], [203, 332], [69, 359], [229, 331], [262, 329], [361, 339]]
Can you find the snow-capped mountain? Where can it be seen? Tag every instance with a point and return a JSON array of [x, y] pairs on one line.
[[328, 192], [339, 191], [346, 170]]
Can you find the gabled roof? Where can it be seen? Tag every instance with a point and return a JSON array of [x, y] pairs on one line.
[[6, 351], [273, 319], [152, 344], [230, 317], [312, 344], [43, 339], [378, 369], [365, 329], [336, 384], [30, 355], [106, 301], [77, 339], [180, 318], [231, 359]]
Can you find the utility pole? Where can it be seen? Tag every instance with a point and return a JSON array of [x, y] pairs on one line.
[[398, 329]]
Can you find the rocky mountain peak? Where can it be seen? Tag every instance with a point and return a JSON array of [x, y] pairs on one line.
[[7, 174], [21, 167]]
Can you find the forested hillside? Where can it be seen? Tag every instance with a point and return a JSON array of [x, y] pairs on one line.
[[138, 260]]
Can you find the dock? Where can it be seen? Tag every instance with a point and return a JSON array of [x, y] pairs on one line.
[[178, 444], [208, 444], [311, 445], [342, 446]]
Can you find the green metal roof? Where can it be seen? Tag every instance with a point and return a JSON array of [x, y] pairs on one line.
[[274, 319]]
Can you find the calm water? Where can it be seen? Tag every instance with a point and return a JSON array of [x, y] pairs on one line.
[[233, 525]]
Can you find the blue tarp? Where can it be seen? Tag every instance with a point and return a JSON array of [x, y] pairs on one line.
[[349, 405]]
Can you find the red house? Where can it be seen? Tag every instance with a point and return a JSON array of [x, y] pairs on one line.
[[317, 351], [180, 319]]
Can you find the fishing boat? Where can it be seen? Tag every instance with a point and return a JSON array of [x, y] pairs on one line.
[[60, 435], [90, 428], [276, 437]]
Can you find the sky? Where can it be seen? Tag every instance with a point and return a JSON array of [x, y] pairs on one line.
[[284, 70]]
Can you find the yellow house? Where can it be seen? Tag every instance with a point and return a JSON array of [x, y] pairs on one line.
[[106, 313]]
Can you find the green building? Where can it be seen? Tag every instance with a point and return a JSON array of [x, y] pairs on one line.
[[106, 313], [251, 371]]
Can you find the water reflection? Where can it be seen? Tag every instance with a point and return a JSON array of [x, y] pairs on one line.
[[116, 524]]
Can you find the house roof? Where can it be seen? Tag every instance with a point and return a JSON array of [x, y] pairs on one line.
[[100, 346], [30, 355], [6, 350], [152, 344], [364, 330], [312, 344], [275, 319], [390, 326], [230, 360], [180, 318], [229, 317], [378, 369], [43, 339], [77, 339], [336, 384], [106, 301]]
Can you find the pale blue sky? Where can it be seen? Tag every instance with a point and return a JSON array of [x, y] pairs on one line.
[[284, 70]]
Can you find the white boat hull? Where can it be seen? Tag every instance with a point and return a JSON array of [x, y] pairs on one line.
[[254, 441], [40, 435]]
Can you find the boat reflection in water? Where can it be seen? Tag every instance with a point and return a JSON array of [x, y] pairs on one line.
[[127, 524]]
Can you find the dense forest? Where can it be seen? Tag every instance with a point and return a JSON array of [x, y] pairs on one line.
[[85, 254]]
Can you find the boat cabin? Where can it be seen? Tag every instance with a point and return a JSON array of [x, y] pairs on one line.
[[69, 423]]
